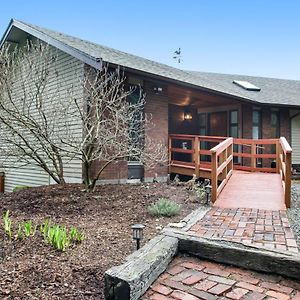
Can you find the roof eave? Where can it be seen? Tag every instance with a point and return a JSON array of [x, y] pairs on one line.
[[85, 58]]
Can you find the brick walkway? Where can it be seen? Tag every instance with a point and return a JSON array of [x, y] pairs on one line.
[[265, 228], [189, 279]]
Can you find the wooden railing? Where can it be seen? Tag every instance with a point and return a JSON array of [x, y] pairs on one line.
[[254, 147], [221, 166], [284, 168], [219, 163]]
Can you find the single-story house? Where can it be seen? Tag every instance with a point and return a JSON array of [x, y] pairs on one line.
[[180, 101]]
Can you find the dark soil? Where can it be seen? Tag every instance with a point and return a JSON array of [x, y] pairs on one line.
[[31, 269]]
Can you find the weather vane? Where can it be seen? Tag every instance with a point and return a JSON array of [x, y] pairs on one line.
[[177, 55]]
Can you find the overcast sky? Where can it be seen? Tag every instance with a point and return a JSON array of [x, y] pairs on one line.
[[257, 37]]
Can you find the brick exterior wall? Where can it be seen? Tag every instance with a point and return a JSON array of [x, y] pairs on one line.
[[285, 124], [157, 106]]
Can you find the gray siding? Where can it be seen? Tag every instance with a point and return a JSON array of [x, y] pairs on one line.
[[70, 70], [296, 139]]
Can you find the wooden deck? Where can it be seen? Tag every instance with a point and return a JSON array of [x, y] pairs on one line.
[[249, 182], [252, 190]]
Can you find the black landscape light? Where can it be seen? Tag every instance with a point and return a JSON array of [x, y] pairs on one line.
[[137, 231], [207, 188]]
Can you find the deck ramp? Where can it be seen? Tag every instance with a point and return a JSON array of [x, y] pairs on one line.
[[252, 190]]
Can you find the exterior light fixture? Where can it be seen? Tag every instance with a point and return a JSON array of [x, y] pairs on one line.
[[207, 188], [157, 90], [137, 234], [187, 115]]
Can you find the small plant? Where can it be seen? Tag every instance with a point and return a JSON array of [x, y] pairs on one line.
[[7, 224], [19, 233], [76, 236], [164, 207], [199, 191], [44, 228], [29, 229], [58, 237], [20, 188]]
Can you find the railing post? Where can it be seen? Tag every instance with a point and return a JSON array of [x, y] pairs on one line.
[[214, 176], [278, 156], [197, 155], [288, 178], [253, 158], [170, 153]]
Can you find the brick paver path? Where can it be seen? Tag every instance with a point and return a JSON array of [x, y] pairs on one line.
[[265, 228], [189, 279]]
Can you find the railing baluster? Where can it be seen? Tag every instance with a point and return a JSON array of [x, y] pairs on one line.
[[197, 155], [214, 176], [253, 158]]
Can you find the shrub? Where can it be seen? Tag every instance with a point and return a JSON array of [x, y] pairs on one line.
[[164, 207], [20, 188]]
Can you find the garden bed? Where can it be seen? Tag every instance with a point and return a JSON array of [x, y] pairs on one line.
[[32, 269]]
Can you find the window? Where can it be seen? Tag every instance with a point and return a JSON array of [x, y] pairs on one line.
[[256, 124], [234, 130], [256, 132], [233, 124], [274, 128], [246, 85], [202, 124], [275, 124], [135, 124]]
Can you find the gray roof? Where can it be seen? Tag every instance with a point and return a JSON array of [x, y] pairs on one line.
[[273, 91]]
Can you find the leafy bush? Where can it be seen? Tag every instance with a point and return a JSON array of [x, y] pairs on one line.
[[7, 224], [164, 207], [20, 188]]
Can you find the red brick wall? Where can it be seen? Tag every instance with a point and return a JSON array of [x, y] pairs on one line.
[[157, 106], [285, 125]]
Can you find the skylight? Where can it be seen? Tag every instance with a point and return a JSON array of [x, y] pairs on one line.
[[246, 85]]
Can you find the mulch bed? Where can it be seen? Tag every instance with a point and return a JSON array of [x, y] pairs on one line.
[[31, 269]]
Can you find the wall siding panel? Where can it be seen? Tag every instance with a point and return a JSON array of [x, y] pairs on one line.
[[70, 70]]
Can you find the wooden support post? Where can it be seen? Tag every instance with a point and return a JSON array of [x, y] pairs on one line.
[[278, 157], [197, 156], [170, 154], [253, 158], [214, 177], [288, 178]]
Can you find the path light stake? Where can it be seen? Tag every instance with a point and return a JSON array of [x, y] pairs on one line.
[[207, 188], [137, 231]]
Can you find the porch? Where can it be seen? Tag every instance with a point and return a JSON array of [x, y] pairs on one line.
[[254, 173]]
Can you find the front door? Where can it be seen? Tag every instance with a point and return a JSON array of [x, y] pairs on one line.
[[218, 124]]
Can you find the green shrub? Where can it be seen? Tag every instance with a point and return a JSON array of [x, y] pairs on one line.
[[164, 207], [20, 188]]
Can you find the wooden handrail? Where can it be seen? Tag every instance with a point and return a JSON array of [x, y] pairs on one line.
[[222, 166], [221, 156], [285, 168]]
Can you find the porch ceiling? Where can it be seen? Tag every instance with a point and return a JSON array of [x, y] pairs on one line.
[[185, 97]]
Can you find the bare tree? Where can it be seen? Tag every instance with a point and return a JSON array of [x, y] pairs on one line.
[[114, 124], [37, 116]]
